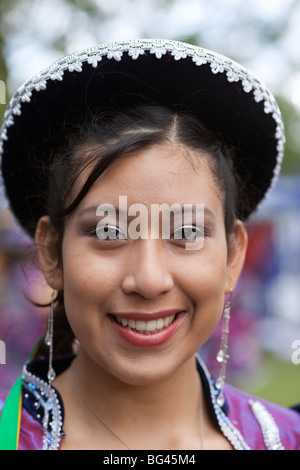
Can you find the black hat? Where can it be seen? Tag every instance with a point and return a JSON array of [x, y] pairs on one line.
[[221, 93]]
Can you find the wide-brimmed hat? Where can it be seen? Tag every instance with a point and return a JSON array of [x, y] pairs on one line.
[[220, 92]]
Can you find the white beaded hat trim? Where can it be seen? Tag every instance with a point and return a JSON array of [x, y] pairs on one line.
[[218, 64]]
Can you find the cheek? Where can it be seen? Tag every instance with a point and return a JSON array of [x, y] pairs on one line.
[[89, 281], [206, 272], [206, 289], [86, 273]]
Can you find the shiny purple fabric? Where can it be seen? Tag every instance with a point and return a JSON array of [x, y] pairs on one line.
[[31, 432], [242, 417], [239, 413]]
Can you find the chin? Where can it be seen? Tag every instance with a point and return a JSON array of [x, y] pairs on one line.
[[148, 370]]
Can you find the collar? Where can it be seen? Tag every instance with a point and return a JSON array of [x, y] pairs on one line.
[[45, 404]]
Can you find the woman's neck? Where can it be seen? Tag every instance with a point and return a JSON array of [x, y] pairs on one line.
[[163, 414]]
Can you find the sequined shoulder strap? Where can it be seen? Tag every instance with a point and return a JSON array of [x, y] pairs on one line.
[[269, 428]]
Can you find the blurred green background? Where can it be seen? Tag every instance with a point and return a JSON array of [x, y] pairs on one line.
[[262, 35]]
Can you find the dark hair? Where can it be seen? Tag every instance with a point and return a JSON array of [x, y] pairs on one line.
[[100, 140]]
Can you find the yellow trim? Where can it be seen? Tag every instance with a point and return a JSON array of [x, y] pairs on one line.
[[19, 421]]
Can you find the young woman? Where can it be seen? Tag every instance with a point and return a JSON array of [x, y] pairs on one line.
[[133, 165]]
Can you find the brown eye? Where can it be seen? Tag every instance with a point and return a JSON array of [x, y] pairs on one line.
[[109, 232], [188, 233]]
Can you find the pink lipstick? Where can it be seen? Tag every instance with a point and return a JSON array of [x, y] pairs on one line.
[[147, 329]]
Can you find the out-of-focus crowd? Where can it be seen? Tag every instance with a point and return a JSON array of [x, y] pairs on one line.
[[21, 286]]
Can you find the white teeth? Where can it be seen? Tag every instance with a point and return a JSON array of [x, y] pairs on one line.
[[131, 323], [151, 325], [140, 325], [146, 327]]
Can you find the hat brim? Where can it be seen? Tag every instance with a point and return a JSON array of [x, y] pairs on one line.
[[217, 90]]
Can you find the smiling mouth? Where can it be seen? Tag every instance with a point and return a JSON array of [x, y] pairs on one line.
[[142, 329], [146, 327]]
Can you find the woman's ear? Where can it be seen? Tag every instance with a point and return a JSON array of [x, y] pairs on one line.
[[237, 249], [47, 243]]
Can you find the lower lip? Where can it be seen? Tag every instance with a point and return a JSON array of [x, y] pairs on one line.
[[135, 338]]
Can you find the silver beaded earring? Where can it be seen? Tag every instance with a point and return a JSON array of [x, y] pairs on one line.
[[223, 355], [49, 339]]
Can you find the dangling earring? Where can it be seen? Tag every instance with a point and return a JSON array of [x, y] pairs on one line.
[[223, 355], [49, 339]]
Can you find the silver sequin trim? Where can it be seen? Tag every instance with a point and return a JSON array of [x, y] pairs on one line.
[[228, 429], [266, 421], [268, 426], [46, 398]]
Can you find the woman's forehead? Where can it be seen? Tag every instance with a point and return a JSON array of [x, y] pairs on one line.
[[165, 159], [162, 173], [166, 163]]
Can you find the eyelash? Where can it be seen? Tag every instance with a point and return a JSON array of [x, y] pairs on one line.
[[108, 226], [204, 234]]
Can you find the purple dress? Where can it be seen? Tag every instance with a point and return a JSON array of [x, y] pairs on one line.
[[247, 422]]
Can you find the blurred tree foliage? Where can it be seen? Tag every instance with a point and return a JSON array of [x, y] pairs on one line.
[[291, 118], [3, 68], [93, 11]]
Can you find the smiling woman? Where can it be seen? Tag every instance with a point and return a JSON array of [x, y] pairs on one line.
[[192, 143]]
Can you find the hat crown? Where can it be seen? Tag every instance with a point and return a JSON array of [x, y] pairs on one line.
[[138, 51]]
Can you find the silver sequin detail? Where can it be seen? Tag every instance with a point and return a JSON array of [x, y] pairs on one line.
[[48, 400], [268, 426], [228, 429]]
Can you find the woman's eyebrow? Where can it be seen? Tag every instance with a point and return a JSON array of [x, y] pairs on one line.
[[186, 209], [193, 208], [92, 210]]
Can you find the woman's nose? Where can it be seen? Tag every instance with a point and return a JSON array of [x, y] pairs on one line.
[[148, 273]]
